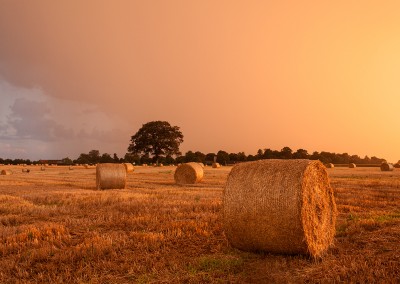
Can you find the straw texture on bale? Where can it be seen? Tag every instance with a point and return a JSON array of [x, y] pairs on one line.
[[397, 165], [110, 176], [352, 165], [6, 172], [387, 167], [279, 206], [188, 173], [129, 167], [216, 165], [330, 165], [201, 164]]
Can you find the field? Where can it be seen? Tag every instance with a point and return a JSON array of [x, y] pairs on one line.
[[56, 228]]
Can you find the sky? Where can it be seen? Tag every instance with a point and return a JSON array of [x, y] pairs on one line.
[[233, 75]]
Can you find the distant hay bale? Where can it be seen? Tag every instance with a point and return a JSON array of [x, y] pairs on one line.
[[144, 165], [279, 206], [70, 168], [188, 173], [26, 170], [397, 165], [330, 165], [42, 168], [352, 165], [110, 176], [129, 167], [6, 172], [387, 167], [86, 166], [216, 165]]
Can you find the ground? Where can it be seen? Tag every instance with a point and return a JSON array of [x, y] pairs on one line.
[[55, 227]]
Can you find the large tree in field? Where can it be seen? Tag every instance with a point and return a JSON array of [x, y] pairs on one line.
[[157, 138]]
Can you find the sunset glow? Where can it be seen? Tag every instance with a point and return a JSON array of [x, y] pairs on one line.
[[234, 75]]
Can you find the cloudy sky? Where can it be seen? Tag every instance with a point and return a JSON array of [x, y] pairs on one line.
[[234, 75]]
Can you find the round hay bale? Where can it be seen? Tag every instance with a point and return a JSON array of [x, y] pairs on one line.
[[26, 170], [279, 206], [387, 167], [330, 165], [129, 167], [70, 168], [397, 165], [216, 165], [352, 165], [110, 176], [188, 173], [6, 172], [201, 164], [42, 168]]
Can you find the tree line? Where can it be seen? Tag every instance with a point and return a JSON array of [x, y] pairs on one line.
[[222, 157], [159, 141]]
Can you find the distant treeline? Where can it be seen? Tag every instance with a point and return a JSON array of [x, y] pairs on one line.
[[222, 157]]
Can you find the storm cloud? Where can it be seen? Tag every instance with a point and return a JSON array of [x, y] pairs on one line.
[[28, 117]]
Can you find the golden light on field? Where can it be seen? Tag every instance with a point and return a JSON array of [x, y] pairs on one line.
[[315, 75], [55, 227]]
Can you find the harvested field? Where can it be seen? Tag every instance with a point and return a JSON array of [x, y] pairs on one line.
[[55, 227]]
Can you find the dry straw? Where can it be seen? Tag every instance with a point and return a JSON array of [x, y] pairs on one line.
[[129, 167], [201, 164], [352, 165], [110, 176], [6, 172], [330, 165], [188, 173], [280, 206], [26, 170], [216, 165], [387, 167], [42, 168]]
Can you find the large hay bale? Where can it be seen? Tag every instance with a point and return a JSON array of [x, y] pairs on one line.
[[352, 165], [201, 164], [129, 167], [330, 165], [397, 165], [386, 167], [6, 172], [279, 206], [188, 173], [110, 176], [216, 165]]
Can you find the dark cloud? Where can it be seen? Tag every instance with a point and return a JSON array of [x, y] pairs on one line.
[[29, 119]]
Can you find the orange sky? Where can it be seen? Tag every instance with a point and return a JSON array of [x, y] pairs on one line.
[[234, 75]]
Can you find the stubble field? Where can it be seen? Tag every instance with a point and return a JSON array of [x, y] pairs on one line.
[[55, 227]]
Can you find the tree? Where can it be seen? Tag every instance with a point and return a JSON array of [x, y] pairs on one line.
[[157, 138], [222, 157], [286, 153], [94, 156], [66, 161], [106, 158]]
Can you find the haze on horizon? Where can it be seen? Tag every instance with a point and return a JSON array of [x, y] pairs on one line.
[[234, 75]]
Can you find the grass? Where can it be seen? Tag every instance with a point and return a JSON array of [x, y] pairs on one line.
[[56, 228]]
